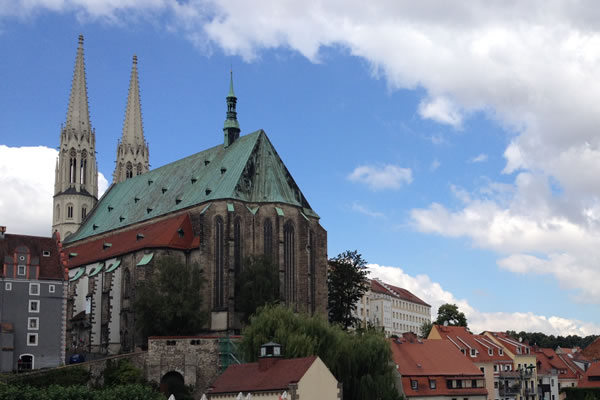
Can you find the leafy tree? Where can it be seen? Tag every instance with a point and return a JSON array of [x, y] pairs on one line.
[[169, 301], [257, 285], [347, 282], [426, 328], [449, 313], [122, 372], [361, 360]]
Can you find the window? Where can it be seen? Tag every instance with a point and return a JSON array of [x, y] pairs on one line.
[[473, 352], [552, 382], [34, 289], [501, 352], [289, 258], [495, 368], [490, 352], [237, 245], [129, 171], [219, 293], [473, 383], [32, 339], [482, 369], [495, 385], [72, 166], [51, 288], [25, 362], [33, 323], [414, 385], [8, 286], [70, 212], [432, 384], [83, 213], [83, 167], [268, 239], [46, 253], [313, 272], [34, 306], [21, 270]]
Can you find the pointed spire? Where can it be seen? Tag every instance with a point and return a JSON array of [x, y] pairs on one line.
[[78, 116], [231, 128], [133, 131]]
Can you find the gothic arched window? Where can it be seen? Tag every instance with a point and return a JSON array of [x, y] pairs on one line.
[[312, 271], [57, 217], [219, 264], [69, 211], [237, 245], [72, 166], [126, 283], [83, 212], [289, 259], [139, 169], [129, 171], [268, 239], [83, 167]]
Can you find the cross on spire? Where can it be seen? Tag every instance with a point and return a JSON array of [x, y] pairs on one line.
[[231, 128]]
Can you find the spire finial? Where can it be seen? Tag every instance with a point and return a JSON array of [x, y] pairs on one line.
[[231, 128], [135, 59], [81, 40]]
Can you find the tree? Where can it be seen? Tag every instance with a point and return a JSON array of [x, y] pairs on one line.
[[361, 360], [426, 328], [169, 301], [256, 285], [347, 282], [449, 313]]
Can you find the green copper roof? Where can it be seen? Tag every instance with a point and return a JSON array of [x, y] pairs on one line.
[[113, 266], [77, 274], [231, 93], [248, 170], [96, 270], [146, 259]]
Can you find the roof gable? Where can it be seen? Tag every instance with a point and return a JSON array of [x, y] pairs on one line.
[[248, 170], [50, 265]]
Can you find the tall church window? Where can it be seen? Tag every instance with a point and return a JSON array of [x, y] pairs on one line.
[[83, 212], [139, 169], [237, 245], [72, 166], [70, 211], [312, 271], [83, 167], [126, 283], [219, 264], [57, 212], [289, 258], [129, 171], [268, 239]]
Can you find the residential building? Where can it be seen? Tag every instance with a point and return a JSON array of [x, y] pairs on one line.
[[394, 309], [32, 303], [435, 369], [591, 378], [214, 208], [481, 351], [304, 378], [521, 381]]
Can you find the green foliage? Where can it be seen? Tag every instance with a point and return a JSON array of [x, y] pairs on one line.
[[574, 393], [347, 282], [169, 301], [551, 341], [122, 372], [257, 285], [58, 376], [361, 359], [55, 392], [426, 328], [449, 313]]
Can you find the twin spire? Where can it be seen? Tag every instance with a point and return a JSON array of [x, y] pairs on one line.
[[78, 115]]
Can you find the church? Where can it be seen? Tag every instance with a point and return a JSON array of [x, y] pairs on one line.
[[215, 208]]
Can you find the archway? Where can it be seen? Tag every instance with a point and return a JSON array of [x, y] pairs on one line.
[[172, 383]]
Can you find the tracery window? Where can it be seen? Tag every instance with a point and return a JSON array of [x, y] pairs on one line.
[[139, 169], [83, 167], [72, 166], [289, 257], [268, 239], [129, 171], [237, 245], [219, 300]]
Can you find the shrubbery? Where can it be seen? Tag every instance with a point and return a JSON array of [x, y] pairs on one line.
[[55, 392]]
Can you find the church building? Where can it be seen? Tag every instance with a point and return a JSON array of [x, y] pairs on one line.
[[215, 208]]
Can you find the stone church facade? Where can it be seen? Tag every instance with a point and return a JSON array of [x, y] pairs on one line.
[[214, 208]]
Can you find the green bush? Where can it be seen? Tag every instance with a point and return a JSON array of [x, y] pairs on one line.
[[55, 392], [574, 393], [122, 372], [58, 376]]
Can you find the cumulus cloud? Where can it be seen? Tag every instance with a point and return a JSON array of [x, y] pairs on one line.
[[432, 293], [479, 158], [27, 182], [381, 176], [441, 110]]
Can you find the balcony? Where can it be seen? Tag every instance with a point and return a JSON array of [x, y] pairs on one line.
[[509, 390]]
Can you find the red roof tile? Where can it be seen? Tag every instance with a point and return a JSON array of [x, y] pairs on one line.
[[394, 291], [592, 351], [248, 378], [511, 344], [424, 388], [164, 233], [462, 338], [50, 267], [593, 372]]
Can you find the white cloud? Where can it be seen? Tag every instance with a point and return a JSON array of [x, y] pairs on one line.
[[479, 158], [381, 176], [442, 110], [366, 211], [27, 182], [432, 293], [435, 164]]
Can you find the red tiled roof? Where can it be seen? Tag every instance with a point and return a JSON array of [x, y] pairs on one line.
[[394, 291], [511, 344], [593, 371], [50, 267], [423, 388], [592, 351], [547, 360], [248, 378], [156, 234], [431, 357], [462, 338]]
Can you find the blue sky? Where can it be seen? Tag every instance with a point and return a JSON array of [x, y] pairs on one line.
[[457, 150]]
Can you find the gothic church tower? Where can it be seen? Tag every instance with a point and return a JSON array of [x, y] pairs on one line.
[[76, 176], [132, 149]]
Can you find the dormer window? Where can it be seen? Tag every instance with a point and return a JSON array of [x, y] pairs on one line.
[[46, 253], [473, 352], [501, 352], [21, 270], [490, 352]]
